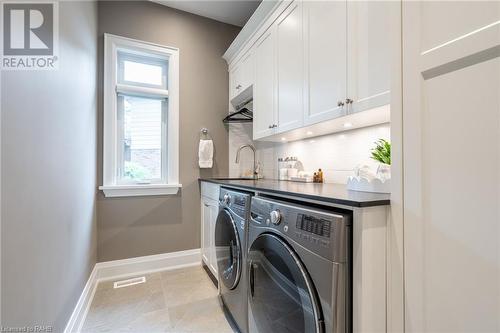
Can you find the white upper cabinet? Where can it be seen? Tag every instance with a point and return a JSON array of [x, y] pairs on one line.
[[325, 60], [316, 65], [264, 92], [371, 36], [290, 79]]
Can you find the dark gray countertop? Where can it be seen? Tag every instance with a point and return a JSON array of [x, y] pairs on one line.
[[332, 193]]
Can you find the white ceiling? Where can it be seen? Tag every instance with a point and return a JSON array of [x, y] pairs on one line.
[[236, 12]]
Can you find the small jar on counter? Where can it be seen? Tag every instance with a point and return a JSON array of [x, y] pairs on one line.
[[318, 176], [282, 169], [292, 169]]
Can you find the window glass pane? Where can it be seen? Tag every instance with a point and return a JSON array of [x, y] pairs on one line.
[[141, 142], [142, 73]]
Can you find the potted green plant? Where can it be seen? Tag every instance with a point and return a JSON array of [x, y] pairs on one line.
[[365, 179], [382, 153]]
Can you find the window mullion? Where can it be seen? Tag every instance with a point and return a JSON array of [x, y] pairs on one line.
[[141, 91]]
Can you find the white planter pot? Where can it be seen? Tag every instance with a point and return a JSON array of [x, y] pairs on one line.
[[368, 182], [375, 185]]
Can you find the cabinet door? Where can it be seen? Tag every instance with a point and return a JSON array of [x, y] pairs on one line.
[[235, 80], [247, 71], [371, 37], [214, 211], [205, 232], [325, 59], [290, 78], [265, 85]]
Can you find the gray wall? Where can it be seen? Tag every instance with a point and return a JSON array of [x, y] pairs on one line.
[[49, 178], [131, 227]]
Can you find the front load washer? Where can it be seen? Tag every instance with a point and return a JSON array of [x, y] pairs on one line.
[[299, 268], [230, 247]]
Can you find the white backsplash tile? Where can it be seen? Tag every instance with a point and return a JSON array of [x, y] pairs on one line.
[[336, 154]]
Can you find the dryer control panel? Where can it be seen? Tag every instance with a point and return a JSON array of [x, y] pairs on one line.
[[324, 232], [314, 225]]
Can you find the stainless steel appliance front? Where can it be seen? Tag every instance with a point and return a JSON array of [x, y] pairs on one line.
[[230, 247], [299, 268]]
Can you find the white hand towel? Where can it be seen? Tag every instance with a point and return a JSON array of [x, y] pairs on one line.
[[206, 153]]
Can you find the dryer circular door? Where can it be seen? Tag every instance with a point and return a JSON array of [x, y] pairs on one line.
[[228, 250], [282, 297]]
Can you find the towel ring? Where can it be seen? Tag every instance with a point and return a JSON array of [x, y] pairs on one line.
[[204, 135]]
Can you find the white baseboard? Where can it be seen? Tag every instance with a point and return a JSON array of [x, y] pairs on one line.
[[110, 270], [82, 306], [117, 269]]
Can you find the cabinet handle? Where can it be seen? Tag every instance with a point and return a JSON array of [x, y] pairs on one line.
[[238, 86], [349, 101], [274, 126], [270, 126], [206, 205], [340, 104]]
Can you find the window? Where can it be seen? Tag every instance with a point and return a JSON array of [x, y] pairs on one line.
[[141, 120]]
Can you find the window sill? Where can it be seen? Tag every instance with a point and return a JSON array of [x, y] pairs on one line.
[[139, 190]]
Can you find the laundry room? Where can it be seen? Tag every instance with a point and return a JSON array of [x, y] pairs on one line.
[[249, 166]]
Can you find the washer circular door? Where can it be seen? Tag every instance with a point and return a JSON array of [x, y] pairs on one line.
[[282, 297], [228, 250]]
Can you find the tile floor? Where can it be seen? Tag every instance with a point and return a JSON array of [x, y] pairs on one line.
[[179, 301]]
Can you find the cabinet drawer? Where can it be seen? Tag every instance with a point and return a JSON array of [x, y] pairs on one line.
[[210, 190]]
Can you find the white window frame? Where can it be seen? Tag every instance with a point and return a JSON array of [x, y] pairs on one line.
[[169, 184]]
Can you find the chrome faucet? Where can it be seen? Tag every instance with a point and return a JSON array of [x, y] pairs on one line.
[[255, 174]]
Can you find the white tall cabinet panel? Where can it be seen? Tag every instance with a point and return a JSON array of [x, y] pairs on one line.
[[371, 36], [451, 143], [290, 68], [462, 218], [265, 122], [460, 18], [325, 59]]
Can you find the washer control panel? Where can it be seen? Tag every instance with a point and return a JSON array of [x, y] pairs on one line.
[[237, 202]]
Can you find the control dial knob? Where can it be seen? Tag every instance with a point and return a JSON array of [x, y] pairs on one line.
[[227, 199], [275, 217]]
